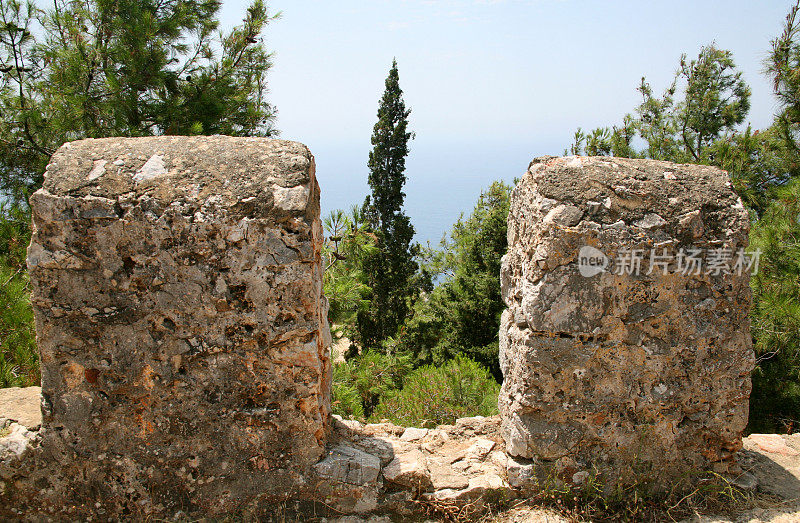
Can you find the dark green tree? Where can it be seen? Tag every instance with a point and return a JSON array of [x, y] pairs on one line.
[[101, 68], [391, 269], [715, 100], [19, 362], [775, 401], [783, 68], [759, 163], [462, 314]]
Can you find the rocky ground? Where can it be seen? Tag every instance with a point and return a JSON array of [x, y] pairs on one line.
[[453, 466], [451, 471]]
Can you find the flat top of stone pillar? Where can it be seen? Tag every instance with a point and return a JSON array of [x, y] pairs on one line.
[[254, 172], [632, 186]]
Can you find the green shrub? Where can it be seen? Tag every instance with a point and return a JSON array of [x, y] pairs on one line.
[[345, 399], [457, 389], [775, 401], [361, 382], [19, 362]]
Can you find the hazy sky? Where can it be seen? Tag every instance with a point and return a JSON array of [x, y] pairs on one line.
[[491, 83]]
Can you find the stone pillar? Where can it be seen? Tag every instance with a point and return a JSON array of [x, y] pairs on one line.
[[621, 354], [177, 288]]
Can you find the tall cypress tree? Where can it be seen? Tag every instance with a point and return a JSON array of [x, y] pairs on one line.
[[391, 268]]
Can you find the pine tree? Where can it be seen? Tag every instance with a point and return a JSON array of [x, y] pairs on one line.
[[679, 129], [775, 400], [782, 68], [391, 269], [462, 314], [123, 68]]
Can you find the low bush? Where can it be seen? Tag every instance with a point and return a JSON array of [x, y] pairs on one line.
[[361, 382], [19, 359], [439, 395]]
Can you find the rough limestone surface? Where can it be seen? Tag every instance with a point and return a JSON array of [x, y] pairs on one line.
[[22, 406], [457, 473], [177, 289], [456, 464], [611, 368]]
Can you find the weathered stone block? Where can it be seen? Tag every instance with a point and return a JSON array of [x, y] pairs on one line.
[[177, 288], [622, 369]]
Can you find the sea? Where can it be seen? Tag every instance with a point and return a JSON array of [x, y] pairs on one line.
[[443, 180]]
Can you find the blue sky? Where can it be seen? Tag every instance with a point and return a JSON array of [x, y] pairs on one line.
[[491, 83]]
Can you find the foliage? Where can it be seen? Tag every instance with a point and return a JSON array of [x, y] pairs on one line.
[[699, 127], [360, 383], [348, 243], [18, 355], [391, 269], [715, 100], [22, 158], [462, 314], [757, 162], [123, 68], [109, 68], [15, 235], [775, 401], [345, 399], [440, 395], [605, 141], [782, 67]]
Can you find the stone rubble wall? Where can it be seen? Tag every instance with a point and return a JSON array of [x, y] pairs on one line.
[[631, 375], [409, 473], [401, 470], [177, 289]]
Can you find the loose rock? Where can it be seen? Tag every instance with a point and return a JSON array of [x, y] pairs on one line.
[[21, 405], [349, 465], [409, 469]]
